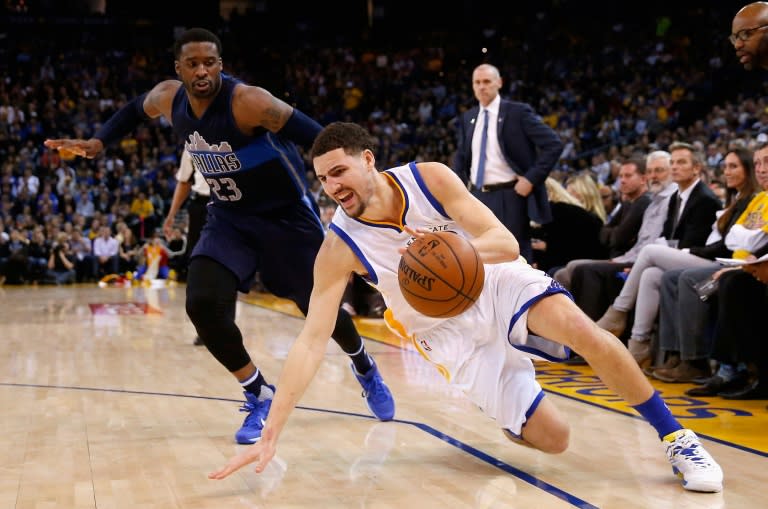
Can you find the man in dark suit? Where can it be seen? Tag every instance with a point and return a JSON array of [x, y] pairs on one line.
[[690, 214], [505, 153]]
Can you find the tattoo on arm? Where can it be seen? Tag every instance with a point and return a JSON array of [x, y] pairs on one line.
[[275, 116]]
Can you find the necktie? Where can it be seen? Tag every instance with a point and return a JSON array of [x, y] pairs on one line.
[[481, 159], [678, 213]]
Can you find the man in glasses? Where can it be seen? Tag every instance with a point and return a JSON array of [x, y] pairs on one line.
[[749, 37], [751, 44]]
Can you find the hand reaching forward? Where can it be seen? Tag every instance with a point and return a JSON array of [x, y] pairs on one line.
[[261, 452], [83, 148]]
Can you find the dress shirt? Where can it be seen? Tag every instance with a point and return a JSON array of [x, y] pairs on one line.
[[496, 168]]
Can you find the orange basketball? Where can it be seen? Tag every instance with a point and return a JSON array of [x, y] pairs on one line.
[[441, 274]]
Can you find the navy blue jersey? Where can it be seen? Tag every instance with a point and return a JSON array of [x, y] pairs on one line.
[[247, 173]]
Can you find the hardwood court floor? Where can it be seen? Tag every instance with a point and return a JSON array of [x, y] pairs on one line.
[[105, 403]]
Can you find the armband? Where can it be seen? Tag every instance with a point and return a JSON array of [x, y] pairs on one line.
[[300, 129], [123, 121]]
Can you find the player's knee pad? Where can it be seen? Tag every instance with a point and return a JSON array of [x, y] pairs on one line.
[[207, 309], [211, 293], [211, 302]]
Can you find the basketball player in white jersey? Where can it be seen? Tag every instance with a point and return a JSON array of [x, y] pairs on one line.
[[486, 350]]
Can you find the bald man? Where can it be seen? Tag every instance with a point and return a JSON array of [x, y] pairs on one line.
[[750, 37], [504, 154]]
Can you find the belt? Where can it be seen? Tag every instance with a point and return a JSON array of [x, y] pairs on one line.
[[488, 188]]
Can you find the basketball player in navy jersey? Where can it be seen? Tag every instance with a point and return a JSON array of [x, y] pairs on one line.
[[261, 217]]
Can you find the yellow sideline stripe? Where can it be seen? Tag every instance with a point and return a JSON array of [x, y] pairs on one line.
[[738, 422]]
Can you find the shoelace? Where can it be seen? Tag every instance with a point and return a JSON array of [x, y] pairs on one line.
[[374, 386], [248, 407], [256, 412], [692, 451]]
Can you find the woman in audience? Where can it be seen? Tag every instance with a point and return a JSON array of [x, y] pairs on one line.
[[584, 188], [129, 251], [573, 233]]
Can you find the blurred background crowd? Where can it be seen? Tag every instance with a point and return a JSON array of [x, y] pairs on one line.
[[612, 85]]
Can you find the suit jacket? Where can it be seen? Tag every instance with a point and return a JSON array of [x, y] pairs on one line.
[[696, 220], [530, 147], [620, 234]]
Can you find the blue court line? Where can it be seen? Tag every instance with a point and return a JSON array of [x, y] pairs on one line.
[[530, 479], [495, 462]]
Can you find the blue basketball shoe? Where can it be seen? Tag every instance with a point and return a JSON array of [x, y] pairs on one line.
[[376, 393], [250, 431]]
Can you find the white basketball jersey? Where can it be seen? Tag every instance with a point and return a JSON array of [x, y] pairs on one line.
[[486, 350], [376, 243]]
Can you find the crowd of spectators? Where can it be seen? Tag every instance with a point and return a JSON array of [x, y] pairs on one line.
[[632, 86]]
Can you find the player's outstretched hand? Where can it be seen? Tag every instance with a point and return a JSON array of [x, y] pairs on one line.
[[261, 452], [77, 147]]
